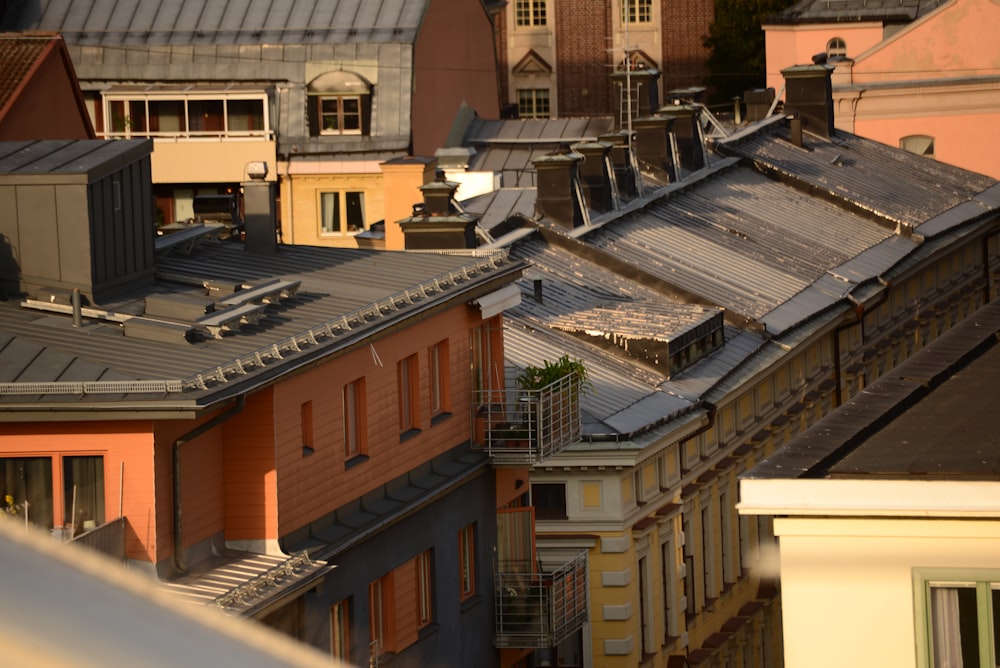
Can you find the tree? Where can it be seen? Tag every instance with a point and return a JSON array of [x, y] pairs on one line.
[[736, 41]]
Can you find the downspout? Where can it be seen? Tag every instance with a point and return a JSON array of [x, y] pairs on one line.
[[176, 473], [859, 313]]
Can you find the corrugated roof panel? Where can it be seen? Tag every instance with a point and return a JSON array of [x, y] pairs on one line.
[[865, 173]]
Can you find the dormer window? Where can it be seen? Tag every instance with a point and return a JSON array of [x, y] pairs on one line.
[[836, 48], [339, 104]]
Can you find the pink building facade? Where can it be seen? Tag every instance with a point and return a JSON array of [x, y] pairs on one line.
[[926, 81]]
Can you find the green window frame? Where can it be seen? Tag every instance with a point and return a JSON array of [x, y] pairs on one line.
[[957, 614]]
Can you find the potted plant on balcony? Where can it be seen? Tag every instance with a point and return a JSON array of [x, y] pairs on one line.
[[539, 377]]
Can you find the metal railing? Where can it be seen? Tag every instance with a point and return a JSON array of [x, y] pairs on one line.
[[522, 427], [541, 609], [109, 538]]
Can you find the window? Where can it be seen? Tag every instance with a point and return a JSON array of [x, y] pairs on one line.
[[160, 115], [467, 560], [424, 589], [530, 12], [354, 419], [549, 500], [438, 370], [379, 616], [960, 619], [836, 48], [919, 144], [409, 401], [639, 486], [340, 115], [340, 631], [339, 104], [342, 212], [487, 362], [637, 11], [27, 490], [533, 102]]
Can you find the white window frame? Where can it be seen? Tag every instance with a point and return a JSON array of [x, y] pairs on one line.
[[111, 98], [530, 13]]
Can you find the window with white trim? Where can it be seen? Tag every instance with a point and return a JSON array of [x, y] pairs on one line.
[[168, 113], [342, 212]]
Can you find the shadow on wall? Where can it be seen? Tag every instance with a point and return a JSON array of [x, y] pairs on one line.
[[10, 268]]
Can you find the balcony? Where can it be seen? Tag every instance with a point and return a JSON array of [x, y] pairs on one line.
[[536, 609], [524, 427]]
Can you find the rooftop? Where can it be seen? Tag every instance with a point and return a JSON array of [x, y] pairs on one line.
[[225, 22], [921, 440], [845, 11]]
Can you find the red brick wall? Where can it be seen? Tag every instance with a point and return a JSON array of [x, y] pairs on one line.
[[583, 62], [685, 26]]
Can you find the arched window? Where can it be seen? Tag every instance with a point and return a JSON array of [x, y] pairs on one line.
[[836, 48], [339, 104], [919, 144]]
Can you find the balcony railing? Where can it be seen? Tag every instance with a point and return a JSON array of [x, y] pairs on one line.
[[541, 609], [524, 427], [108, 538]]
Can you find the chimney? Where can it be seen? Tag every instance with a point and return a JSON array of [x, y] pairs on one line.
[[402, 179], [424, 230], [559, 196], [596, 175], [655, 148], [758, 101], [689, 135], [621, 163], [439, 195], [259, 211], [78, 215], [809, 94]]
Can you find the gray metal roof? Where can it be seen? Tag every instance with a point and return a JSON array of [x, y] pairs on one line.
[[199, 22], [739, 240], [345, 295], [508, 147], [841, 11], [889, 183], [932, 417], [781, 237], [85, 159]]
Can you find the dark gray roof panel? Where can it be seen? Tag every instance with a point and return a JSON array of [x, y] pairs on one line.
[[201, 22], [45, 348], [931, 417], [88, 158], [864, 173], [957, 215], [841, 11]]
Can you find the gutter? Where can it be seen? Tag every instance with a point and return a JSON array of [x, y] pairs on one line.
[[176, 472]]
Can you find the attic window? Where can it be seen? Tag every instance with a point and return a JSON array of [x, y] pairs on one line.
[[919, 144], [836, 48], [339, 104]]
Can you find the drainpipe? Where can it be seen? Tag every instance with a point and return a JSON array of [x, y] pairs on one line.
[[176, 474]]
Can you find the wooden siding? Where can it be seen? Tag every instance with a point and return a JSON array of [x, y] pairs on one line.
[[313, 485]]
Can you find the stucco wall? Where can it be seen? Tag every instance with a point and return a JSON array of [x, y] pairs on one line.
[[847, 584]]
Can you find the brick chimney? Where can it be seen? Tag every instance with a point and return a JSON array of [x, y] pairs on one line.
[[597, 175], [809, 95], [559, 194]]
